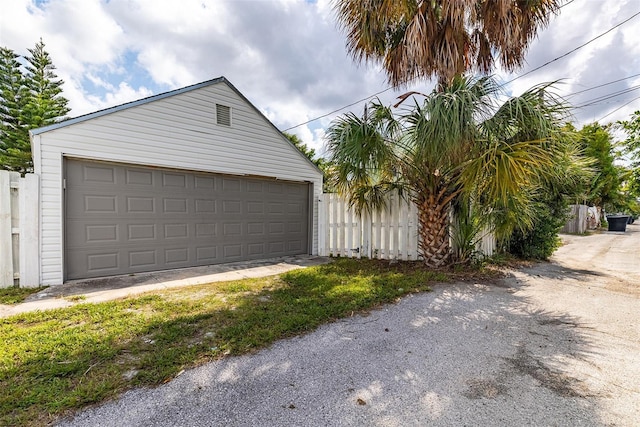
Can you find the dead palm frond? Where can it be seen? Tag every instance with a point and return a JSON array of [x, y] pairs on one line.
[[422, 39]]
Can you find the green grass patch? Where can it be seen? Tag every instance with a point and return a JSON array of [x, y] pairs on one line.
[[57, 361], [17, 295]]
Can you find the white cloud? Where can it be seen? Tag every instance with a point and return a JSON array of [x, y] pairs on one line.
[[83, 103], [287, 56]]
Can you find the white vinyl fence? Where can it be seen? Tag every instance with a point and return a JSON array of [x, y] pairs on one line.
[[19, 230], [390, 234]]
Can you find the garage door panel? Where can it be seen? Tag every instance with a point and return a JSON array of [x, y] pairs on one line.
[[139, 177], [101, 233], [255, 186], [232, 252], [231, 185], [143, 258], [206, 230], [207, 255], [176, 256], [175, 180], [205, 206], [256, 249], [176, 231], [256, 229], [295, 245], [140, 205], [103, 261], [202, 182], [94, 173], [137, 232], [277, 247], [174, 205], [126, 219], [276, 227], [232, 207]]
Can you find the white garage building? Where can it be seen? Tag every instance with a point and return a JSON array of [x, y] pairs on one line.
[[195, 176]]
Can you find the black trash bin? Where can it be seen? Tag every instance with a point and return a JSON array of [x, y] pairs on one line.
[[617, 222]]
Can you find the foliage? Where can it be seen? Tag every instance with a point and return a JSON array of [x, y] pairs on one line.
[[29, 100], [541, 240], [549, 202], [466, 232], [456, 148], [420, 39], [604, 187], [310, 153], [632, 143], [57, 360], [15, 150], [631, 147]]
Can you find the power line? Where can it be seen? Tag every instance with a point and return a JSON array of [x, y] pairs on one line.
[[604, 84], [340, 109], [608, 96], [620, 107], [504, 84], [575, 49]]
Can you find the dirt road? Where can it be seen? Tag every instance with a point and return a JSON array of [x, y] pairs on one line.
[[557, 344]]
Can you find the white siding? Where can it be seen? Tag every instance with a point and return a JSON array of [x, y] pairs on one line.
[[178, 131]]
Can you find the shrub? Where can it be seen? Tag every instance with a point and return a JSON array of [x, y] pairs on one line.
[[541, 240]]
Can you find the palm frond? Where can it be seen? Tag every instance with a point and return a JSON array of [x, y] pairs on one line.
[[422, 39], [363, 152]]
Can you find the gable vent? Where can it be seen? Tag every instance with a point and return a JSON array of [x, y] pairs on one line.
[[223, 115]]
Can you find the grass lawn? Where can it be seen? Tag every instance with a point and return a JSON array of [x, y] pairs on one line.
[[54, 362], [17, 295]]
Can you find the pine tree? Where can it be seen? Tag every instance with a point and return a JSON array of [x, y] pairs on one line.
[[15, 151], [29, 100], [46, 104]]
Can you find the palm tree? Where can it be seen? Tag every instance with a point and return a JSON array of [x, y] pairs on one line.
[[458, 149], [425, 38]]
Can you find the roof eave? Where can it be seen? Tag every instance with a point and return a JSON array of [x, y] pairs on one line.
[[125, 106]]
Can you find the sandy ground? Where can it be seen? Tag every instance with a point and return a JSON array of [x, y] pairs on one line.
[[595, 282], [556, 344]]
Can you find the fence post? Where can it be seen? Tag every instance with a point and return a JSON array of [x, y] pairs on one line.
[[323, 201], [366, 224], [333, 224], [29, 231], [6, 240]]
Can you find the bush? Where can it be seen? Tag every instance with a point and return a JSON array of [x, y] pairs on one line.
[[541, 241]]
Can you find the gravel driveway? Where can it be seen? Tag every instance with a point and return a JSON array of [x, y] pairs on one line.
[[557, 344]]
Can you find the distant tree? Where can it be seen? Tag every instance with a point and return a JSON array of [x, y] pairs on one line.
[[29, 100], [46, 104], [15, 150], [597, 144], [319, 161], [631, 148], [632, 144], [309, 152]]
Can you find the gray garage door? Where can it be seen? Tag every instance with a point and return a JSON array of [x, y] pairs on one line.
[[127, 219]]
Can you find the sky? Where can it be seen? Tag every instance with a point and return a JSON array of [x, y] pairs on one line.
[[288, 57]]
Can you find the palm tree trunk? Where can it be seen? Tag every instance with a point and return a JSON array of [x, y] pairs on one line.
[[433, 221]]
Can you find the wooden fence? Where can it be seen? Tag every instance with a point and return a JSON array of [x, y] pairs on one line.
[[390, 234], [577, 222], [19, 230]]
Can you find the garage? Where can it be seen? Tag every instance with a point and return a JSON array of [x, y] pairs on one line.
[[191, 177], [127, 219]]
